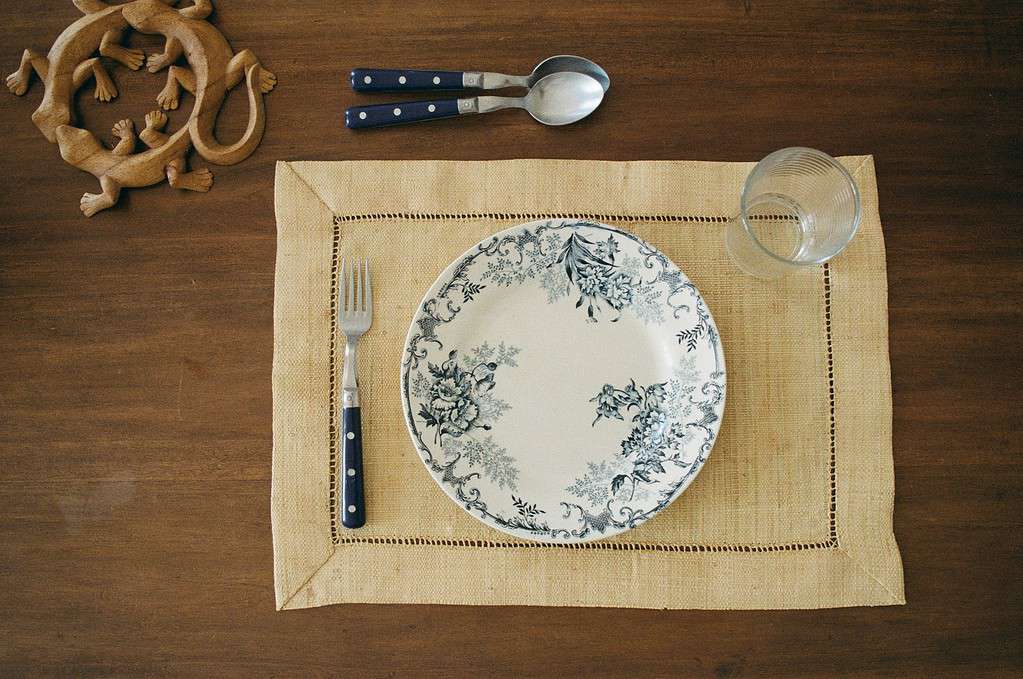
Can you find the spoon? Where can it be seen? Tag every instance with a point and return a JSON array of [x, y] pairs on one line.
[[556, 99], [378, 80]]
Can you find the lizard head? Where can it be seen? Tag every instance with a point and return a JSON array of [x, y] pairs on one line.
[[76, 144]]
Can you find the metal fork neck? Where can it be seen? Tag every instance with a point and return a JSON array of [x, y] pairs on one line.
[[349, 380]]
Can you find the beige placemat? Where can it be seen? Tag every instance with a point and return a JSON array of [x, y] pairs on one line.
[[793, 508]]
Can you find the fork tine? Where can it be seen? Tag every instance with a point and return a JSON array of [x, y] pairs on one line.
[[358, 286], [369, 290], [341, 291], [349, 307]]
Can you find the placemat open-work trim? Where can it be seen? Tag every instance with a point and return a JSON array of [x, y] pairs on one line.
[[830, 542]]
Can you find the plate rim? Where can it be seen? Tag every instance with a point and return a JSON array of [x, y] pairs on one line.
[[404, 387]]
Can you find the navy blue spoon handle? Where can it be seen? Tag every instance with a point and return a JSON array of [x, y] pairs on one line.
[[353, 504], [380, 115], [382, 79]]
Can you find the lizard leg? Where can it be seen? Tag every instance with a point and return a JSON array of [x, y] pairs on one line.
[[239, 65], [199, 10], [199, 180], [94, 202], [108, 47], [172, 51], [152, 136], [105, 89], [177, 77], [125, 131], [31, 60]]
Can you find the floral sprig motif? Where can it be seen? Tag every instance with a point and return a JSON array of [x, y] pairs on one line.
[[591, 268], [453, 405], [487, 457], [653, 441]]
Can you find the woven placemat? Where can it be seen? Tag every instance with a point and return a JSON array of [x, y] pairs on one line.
[[793, 508]]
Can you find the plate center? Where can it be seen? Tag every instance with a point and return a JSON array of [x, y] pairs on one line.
[[563, 360]]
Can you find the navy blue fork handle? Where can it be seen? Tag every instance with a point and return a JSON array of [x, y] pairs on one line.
[[353, 504], [380, 115], [381, 79]]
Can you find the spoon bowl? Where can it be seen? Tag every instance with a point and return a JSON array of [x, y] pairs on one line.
[[563, 97], [569, 62]]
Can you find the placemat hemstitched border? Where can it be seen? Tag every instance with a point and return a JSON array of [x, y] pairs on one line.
[[831, 542]]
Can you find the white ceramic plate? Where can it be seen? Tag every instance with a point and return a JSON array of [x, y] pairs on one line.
[[563, 381]]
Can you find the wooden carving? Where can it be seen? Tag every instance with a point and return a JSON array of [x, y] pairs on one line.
[[212, 70]]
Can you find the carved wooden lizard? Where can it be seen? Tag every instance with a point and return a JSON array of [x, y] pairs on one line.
[[120, 168], [68, 65], [214, 70]]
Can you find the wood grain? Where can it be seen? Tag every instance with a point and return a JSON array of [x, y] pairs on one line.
[[135, 380]]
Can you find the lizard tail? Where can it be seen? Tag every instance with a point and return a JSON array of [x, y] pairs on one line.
[[201, 128]]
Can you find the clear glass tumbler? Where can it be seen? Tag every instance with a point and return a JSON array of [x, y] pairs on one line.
[[799, 207]]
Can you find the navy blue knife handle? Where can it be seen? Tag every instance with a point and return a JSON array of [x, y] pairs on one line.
[[353, 505], [380, 79], [379, 115]]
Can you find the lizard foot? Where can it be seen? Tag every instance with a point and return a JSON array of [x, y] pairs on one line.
[[199, 180], [124, 129], [105, 88], [92, 203], [168, 97], [156, 62], [155, 120], [17, 83], [132, 58], [267, 80]]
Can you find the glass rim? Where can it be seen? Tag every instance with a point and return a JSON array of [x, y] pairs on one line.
[[828, 159]]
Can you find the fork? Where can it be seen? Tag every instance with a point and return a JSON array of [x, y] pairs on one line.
[[355, 315]]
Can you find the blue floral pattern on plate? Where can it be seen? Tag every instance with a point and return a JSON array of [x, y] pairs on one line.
[[461, 399]]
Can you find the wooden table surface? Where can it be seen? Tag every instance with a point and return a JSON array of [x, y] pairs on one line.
[[135, 380]]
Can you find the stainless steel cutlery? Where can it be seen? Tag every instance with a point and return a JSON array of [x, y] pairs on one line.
[[355, 315], [556, 99], [561, 90]]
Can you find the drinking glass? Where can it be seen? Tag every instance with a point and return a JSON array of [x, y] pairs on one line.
[[799, 207]]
